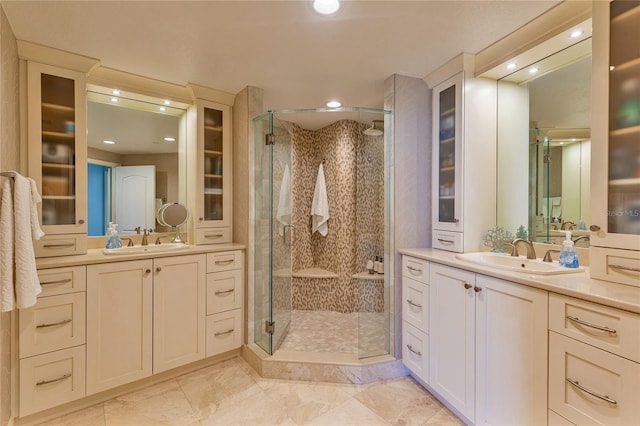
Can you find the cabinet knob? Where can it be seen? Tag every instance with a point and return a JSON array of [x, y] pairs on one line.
[[147, 271], [477, 289], [158, 269], [200, 219], [467, 286], [594, 228], [81, 221]]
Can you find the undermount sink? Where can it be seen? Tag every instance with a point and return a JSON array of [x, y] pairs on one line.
[[518, 264], [147, 249]]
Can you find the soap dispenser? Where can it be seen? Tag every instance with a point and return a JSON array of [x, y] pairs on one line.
[[568, 255], [113, 241]]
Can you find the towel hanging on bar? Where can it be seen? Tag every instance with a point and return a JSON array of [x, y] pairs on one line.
[[320, 205]]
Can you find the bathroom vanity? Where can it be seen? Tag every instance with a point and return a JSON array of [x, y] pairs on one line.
[[496, 345], [106, 323]]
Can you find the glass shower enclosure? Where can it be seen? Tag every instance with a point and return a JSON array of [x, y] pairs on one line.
[[286, 267]]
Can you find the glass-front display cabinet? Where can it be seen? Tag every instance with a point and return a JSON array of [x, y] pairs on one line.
[[213, 162], [615, 164], [57, 156]]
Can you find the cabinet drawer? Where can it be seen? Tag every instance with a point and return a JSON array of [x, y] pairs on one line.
[[445, 240], [224, 291], [224, 332], [605, 387], [554, 419], [224, 261], [55, 322], [608, 328], [60, 245], [51, 379], [620, 266], [213, 235], [415, 305], [62, 280], [416, 269], [415, 351]]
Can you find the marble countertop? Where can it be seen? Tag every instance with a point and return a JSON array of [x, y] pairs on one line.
[[578, 285], [95, 256]]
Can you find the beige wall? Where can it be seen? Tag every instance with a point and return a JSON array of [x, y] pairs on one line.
[[9, 160]]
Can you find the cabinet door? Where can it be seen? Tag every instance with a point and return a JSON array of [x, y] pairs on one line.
[[615, 159], [447, 155], [511, 353], [58, 146], [452, 336], [178, 311], [119, 323], [213, 166]]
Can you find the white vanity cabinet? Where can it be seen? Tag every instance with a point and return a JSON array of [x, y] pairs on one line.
[[615, 160], [594, 362], [210, 197], [488, 347], [225, 289], [52, 342], [144, 317], [464, 162], [415, 316], [57, 151]]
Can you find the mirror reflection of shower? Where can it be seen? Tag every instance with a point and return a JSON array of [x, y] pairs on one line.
[[312, 284]]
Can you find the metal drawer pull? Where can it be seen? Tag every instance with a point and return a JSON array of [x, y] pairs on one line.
[[219, 293], [446, 241], [53, 324], [592, 393], [62, 281], [414, 351], [213, 236], [222, 333], [224, 262], [413, 269], [588, 324], [625, 268], [466, 285], [59, 245], [412, 303], [57, 379]]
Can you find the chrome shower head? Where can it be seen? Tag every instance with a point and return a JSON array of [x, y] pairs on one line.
[[372, 131]]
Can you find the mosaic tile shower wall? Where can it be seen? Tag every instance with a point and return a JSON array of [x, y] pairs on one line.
[[354, 173]]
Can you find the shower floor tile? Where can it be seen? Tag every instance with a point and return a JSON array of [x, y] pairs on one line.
[[326, 331]]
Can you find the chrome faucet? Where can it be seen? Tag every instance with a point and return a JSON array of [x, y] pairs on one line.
[[547, 255], [145, 242], [531, 252]]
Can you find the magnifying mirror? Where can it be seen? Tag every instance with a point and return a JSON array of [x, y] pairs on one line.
[[173, 215]]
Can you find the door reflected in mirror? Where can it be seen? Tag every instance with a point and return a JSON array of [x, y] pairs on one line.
[[544, 147], [134, 162]]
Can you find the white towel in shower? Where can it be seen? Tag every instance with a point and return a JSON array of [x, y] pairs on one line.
[[320, 205], [7, 295], [283, 213]]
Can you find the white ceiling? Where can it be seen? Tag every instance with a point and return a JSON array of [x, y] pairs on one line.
[[299, 58]]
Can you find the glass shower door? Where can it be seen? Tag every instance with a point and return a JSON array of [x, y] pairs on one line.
[[273, 233]]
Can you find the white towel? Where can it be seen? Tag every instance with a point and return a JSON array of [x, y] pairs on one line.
[[7, 295], [320, 205], [283, 213], [26, 228]]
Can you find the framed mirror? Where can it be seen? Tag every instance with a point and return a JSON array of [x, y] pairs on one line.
[[134, 148], [544, 146]]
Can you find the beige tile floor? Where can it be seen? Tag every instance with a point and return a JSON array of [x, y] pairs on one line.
[[232, 393]]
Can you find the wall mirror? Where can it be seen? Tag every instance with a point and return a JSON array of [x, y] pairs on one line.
[[134, 161], [544, 146]]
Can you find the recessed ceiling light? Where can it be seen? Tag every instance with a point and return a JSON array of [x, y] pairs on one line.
[[326, 7], [334, 104], [612, 67], [109, 142], [533, 70], [163, 109], [115, 91], [114, 99], [576, 33], [167, 102], [511, 65], [170, 139]]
